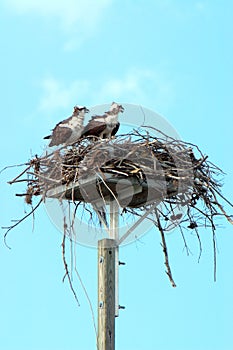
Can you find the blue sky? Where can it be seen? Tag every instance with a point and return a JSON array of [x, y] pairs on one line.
[[174, 57]]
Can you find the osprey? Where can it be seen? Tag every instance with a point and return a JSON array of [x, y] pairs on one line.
[[106, 125], [69, 130]]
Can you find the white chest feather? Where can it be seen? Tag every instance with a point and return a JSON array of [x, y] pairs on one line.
[[73, 123], [110, 120]]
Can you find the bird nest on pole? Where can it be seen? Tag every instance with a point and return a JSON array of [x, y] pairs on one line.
[[164, 180]]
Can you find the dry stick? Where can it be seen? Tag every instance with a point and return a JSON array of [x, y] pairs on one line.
[[90, 212], [19, 221], [73, 219], [171, 138], [20, 194], [71, 243], [13, 166], [188, 251], [23, 172], [200, 245], [203, 213], [214, 244], [159, 131], [22, 180], [164, 245], [74, 181], [219, 205], [215, 255], [210, 218], [134, 226], [109, 190], [142, 217], [170, 142], [200, 162], [67, 274], [197, 234], [214, 166], [101, 219], [42, 177]]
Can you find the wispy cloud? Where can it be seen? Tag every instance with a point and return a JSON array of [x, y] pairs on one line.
[[140, 86], [57, 95], [131, 85], [77, 18]]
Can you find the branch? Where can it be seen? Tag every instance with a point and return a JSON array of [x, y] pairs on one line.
[[9, 228], [67, 273], [23, 172], [164, 245]]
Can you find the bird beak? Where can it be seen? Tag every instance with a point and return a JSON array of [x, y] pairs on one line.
[[86, 110], [121, 108]]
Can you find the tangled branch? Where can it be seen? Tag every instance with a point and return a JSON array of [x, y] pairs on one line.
[[173, 183]]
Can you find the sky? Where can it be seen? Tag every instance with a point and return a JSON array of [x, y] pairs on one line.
[[173, 57]]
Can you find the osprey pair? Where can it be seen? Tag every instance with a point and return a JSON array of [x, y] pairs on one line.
[[71, 129]]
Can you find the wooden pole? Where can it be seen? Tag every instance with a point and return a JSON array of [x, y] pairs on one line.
[[106, 294], [114, 234]]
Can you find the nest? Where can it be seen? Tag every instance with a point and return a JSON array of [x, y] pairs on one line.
[[172, 183]]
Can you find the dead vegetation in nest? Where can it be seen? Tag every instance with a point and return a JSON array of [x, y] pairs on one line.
[[178, 185]]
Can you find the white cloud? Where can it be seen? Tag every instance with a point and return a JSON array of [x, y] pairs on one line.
[[77, 18], [130, 84], [136, 86], [140, 86], [57, 95]]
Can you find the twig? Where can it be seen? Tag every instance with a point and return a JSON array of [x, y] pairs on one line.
[[132, 228], [12, 166], [189, 179], [67, 273], [19, 221], [23, 172], [164, 246], [215, 255], [185, 243]]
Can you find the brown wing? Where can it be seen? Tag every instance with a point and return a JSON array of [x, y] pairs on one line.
[[65, 121], [60, 135], [93, 128], [115, 129]]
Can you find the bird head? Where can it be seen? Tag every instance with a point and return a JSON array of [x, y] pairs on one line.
[[115, 107], [78, 109]]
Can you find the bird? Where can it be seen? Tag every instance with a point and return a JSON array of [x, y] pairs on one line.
[[69, 130], [104, 126]]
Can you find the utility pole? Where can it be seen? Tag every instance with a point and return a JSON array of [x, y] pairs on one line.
[[108, 266], [106, 294]]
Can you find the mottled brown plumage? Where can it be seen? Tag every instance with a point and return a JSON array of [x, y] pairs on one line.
[[69, 130], [104, 126]]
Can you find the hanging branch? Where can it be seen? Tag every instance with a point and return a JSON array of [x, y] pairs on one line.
[[67, 273], [9, 228], [184, 184], [165, 251]]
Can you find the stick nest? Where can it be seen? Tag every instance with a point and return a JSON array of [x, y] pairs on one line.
[[178, 185]]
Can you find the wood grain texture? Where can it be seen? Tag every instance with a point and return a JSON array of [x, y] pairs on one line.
[[106, 294]]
